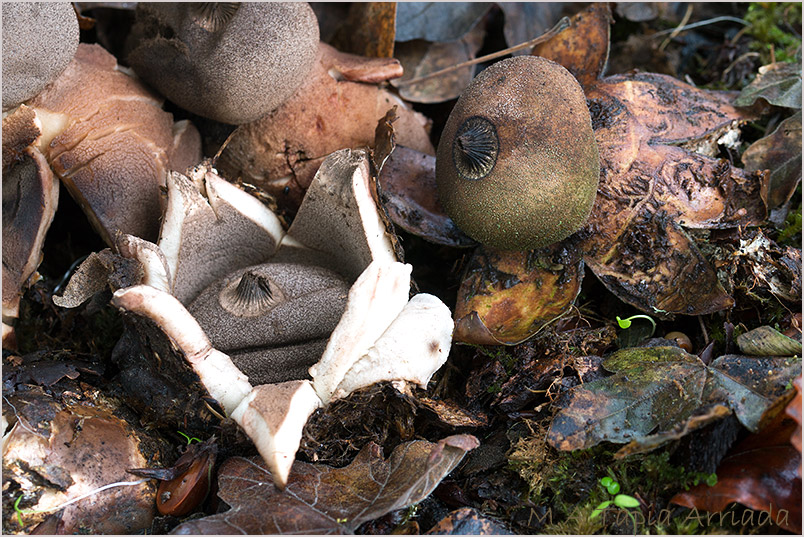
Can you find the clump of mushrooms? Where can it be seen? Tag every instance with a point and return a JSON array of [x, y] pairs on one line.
[[271, 299], [107, 139]]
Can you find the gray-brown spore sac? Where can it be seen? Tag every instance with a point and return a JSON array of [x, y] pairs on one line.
[[39, 40], [274, 319], [231, 62]]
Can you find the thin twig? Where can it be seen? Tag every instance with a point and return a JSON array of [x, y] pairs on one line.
[[677, 30], [560, 26], [723, 18]]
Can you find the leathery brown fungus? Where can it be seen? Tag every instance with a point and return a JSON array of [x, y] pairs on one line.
[[517, 164], [105, 136], [229, 61]]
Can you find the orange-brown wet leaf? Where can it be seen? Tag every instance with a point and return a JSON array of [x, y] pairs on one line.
[[369, 30], [321, 499], [505, 297], [762, 472], [281, 152], [583, 48]]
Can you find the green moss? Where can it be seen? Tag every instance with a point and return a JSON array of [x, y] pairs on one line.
[[772, 24], [790, 235]]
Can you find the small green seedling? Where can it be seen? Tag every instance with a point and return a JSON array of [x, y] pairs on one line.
[[622, 501], [189, 438], [18, 510], [626, 323]]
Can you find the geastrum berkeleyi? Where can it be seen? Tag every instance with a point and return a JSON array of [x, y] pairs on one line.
[[252, 307]]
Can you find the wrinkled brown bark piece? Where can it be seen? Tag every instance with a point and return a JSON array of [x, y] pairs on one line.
[[506, 297], [583, 48], [282, 151]]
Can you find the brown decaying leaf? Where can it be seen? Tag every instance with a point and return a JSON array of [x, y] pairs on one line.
[[70, 450], [762, 472], [368, 30], [281, 152], [583, 48], [779, 152], [420, 58], [321, 499], [505, 297], [468, 521], [634, 240]]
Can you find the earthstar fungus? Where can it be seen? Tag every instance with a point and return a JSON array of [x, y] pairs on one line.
[[378, 333]]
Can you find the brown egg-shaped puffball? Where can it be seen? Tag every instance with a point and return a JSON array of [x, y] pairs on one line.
[[231, 62], [517, 164]]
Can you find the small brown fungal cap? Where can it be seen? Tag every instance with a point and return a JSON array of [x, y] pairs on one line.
[[517, 165]]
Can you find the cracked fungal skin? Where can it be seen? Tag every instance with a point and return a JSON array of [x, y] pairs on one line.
[[517, 165]]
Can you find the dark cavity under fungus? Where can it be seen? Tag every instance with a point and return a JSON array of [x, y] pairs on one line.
[[475, 148]]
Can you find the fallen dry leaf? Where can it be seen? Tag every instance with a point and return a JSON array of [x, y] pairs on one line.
[[437, 21], [778, 83], [321, 499], [420, 58], [583, 48]]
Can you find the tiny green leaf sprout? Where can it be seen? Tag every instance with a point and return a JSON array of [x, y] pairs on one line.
[[189, 438], [622, 501], [626, 323], [18, 510]]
